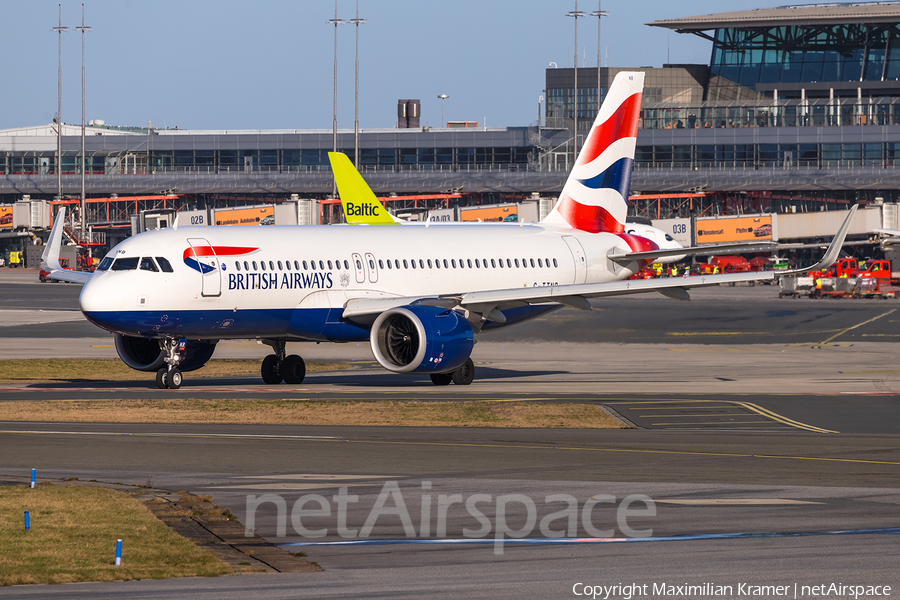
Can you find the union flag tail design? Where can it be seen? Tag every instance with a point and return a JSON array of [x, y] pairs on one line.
[[595, 196]]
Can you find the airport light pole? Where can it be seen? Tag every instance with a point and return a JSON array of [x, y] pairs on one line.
[[443, 97], [60, 30], [357, 22], [574, 14], [335, 21], [599, 13], [83, 29]]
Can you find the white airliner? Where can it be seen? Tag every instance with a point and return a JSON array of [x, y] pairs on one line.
[[418, 295]]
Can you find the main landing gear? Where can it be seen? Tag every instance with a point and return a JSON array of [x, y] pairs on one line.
[[462, 376], [278, 367], [170, 375]]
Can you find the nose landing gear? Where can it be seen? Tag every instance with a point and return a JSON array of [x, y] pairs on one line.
[[170, 375]]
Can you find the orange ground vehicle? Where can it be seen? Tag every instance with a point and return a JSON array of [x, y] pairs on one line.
[[731, 264], [875, 268], [842, 266]]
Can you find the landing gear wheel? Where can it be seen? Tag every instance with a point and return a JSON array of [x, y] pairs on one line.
[[271, 373], [162, 377], [465, 374], [174, 379], [293, 368], [441, 378]]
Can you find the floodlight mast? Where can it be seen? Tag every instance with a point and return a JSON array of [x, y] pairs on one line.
[[83, 29], [356, 21], [60, 30], [575, 14]]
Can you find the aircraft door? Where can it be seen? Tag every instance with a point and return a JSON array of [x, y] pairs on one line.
[[579, 257], [202, 258], [373, 267], [360, 269]]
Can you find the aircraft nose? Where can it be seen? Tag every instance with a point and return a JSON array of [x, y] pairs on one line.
[[91, 298]]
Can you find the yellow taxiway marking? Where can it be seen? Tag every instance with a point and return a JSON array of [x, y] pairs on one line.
[[870, 372], [763, 412], [892, 311], [724, 333], [891, 335], [717, 350], [736, 502], [103, 346]]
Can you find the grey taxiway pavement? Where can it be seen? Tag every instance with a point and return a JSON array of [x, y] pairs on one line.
[[768, 454]]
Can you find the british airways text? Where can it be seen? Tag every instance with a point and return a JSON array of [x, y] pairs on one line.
[[271, 281]]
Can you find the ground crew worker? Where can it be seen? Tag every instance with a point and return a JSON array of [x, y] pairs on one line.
[[716, 270], [674, 271]]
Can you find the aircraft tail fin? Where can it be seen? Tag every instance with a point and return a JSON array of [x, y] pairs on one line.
[[595, 196], [357, 198]]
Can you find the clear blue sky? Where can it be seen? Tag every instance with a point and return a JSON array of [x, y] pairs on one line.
[[268, 64]]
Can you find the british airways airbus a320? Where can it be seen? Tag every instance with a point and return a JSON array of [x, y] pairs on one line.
[[418, 294]]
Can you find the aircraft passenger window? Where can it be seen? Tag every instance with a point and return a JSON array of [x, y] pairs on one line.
[[126, 264], [397, 262], [329, 265], [104, 264], [358, 264], [453, 262], [554, 263], [547, 261], [477, 264], [262, 265], [147, 264], [371, 264], [279, 265], [389, 263], [346, 265], [381, 263], [321, 265], [413, 262], [437, 263], [446, 265], [237, 265], [493, 264], [287, 264], [532, 263], [500, 262], [246, 267], [430, 266], [421, 264], [517, 263], [305, 267], [271, 266], [540, 263], [405, 266], [312, 265], [296, 266], [509, 263]]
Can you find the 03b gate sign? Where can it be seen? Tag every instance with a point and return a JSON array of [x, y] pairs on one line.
[[737, 229]]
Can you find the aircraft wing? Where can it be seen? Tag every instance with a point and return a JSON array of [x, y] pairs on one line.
[[487, 305], [50, 257], [717, 249]]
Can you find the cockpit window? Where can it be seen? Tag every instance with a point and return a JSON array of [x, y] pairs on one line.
[[104, 264], [164, 264], [126, 264], [669, 238], [147, 264]]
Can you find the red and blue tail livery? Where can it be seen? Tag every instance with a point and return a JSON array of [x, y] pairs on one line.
[[595, 196]]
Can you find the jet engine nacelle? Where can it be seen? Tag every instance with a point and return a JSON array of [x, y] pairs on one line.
[[144, 354], [421, 339]]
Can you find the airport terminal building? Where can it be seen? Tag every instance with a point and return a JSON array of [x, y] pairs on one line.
[[798, 110]]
